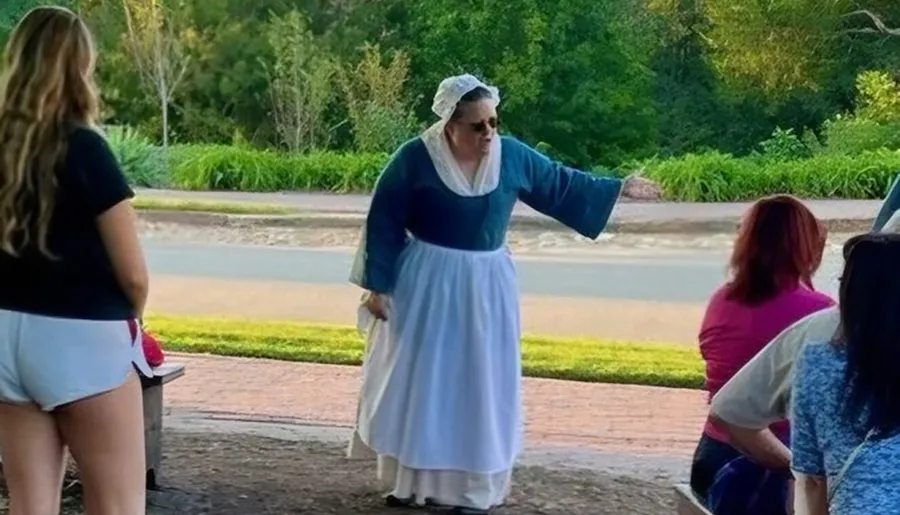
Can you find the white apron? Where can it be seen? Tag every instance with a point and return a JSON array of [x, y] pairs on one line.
[[440, 405]]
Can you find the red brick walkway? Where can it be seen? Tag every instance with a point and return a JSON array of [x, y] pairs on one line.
[[607, 418]]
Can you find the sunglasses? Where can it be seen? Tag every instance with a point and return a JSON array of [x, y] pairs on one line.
[[483, 126]]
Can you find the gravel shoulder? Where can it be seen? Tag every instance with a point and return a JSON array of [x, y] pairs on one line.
[[520, 241]]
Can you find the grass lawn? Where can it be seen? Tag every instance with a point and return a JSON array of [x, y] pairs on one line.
[[591, 360], [207, 206]]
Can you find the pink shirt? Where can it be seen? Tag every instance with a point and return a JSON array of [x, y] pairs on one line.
[[732, 333]]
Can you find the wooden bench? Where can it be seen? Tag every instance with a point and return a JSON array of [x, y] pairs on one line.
[[687, 503], [153, 414]]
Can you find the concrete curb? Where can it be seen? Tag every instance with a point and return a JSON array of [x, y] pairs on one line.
[[519, 222]]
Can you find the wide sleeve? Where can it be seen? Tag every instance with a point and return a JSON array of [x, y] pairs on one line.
[[384, 234], [806, 453], [579, 200]]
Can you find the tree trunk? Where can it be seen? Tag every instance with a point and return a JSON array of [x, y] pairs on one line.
[[164, 110]]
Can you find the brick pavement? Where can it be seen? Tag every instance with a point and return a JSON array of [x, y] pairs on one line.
[[606, 418]]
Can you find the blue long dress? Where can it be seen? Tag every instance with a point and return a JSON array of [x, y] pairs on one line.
[[441, 397]]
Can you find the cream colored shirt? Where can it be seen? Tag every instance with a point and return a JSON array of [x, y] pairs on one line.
[[760, 393]]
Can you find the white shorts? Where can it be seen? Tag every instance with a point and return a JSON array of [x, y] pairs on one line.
[[52, 362]]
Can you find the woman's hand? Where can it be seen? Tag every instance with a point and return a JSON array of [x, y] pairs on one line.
[[377, 304], [636, 187]]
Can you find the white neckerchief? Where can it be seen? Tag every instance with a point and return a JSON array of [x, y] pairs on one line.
[[486, 177]]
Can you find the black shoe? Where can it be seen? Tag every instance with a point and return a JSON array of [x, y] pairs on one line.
[[459, 510], [392, 501]]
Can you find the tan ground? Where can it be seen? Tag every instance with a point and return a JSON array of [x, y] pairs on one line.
[[558, 316], [251, 475]]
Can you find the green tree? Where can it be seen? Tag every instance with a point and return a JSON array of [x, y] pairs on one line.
[[300, 84], [156, 46], [573, 74], [376, 102], [685, 85], [11, 11], [879, 97]]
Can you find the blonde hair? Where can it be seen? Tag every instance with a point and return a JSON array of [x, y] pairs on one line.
[[46, 88]]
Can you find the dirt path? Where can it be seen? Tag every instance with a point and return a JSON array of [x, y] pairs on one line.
[[243, 475], [251, 475]]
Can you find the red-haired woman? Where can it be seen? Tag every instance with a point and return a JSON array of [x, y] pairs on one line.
[[778, 250]]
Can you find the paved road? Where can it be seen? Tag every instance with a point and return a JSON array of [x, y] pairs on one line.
[[651, 277]]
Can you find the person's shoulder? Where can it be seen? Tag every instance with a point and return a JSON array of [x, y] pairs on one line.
[[820, 358], [720, 300], [822, 322], [815, 299], [410, 147], [820, 348], [406, 157], [512, 144], [88, 153], [720, 294], [818, 326], [83, 135]]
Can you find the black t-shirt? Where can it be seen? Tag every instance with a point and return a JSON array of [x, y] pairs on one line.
[[80, 283]]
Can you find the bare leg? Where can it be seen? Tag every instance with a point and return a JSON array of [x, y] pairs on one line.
[[105, 435], [33, 459]]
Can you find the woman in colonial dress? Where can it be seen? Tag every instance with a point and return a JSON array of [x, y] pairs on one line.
[[440, 407]]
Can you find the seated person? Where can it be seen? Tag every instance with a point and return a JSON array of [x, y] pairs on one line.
[[777, 252], [760, 393], [845, 415]]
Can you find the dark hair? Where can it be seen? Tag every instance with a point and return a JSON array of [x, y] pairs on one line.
[[870, 333], [850, 243], [779, 245], [476, 95]]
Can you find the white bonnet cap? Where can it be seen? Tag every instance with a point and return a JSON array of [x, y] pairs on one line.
[[451, 91]]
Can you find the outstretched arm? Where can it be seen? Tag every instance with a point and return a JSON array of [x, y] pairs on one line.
[[579, 200]]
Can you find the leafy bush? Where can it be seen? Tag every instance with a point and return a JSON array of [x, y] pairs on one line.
[[783, 145], [220, 167], [379, 114], [855, 135], [377, 128], [717, 177], [879, 97], [300, 83], [708, 177], [141, 160]]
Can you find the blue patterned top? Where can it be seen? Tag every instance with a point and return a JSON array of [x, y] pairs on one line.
[[822, 439]]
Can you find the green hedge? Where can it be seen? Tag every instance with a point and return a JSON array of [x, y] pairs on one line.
[[717, 177], [219, 167], [707, 177]]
